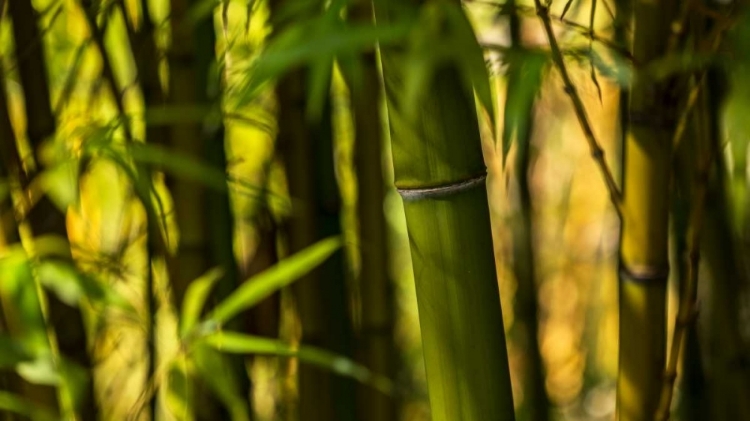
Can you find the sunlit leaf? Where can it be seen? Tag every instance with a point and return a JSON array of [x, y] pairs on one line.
[[41, 370], [19, 405], [278, 276], [195, 298], [240, 343]]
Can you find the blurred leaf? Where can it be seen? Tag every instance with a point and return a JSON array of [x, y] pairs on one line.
[[70, 285], [240, 343], [12, 352], [444, 24], [195, 298], [677, 63], [19, 405], [566, 8], [60, 182], [316, 39], [200, 10], [21, 302], [221, 377], [179, 164], [278, 276], [76, 380], [618, 71], [525, 71], [41, 370], [178, 390]]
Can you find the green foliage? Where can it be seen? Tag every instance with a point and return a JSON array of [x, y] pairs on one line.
[[525, 71], [444, 24], [17, 404]]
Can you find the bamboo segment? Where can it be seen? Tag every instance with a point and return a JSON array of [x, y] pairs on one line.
[[204, 216], [45, 218], [644, 259], [440, 172], [375, 344]]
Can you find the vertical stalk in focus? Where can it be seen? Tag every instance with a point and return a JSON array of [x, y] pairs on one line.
[[440, 173]]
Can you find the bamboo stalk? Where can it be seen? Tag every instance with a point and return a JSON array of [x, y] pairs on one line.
[[45, 218], [376, 348], [440, 174], [536, 406]]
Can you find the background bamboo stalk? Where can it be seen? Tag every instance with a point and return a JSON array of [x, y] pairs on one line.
[[536, 404], [44, 217], [644, 261], [375, 342], [204, 216]]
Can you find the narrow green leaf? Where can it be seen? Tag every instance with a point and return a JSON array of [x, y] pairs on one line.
[[240, 343], [525, 71], [71, 285], [221, 377], [19, 405], [195, 298], [179, 164], [566, 8], [278, 276]]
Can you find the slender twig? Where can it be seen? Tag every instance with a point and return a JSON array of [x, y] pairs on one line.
[[567, 23], [596, 150], [688, 311], [70, 80]]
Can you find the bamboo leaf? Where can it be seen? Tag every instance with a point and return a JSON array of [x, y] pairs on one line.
[[525, 71], [195, 298], [240, 343], [222, 379], [278, 276], [21, 300], [566, 8], [19, 405], [40, 370], [71, 285], [179, 164]]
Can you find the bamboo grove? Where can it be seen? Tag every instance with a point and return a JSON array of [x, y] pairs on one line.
[[374, 210]]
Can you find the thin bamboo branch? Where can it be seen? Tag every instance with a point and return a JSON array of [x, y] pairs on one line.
[[687, 312], [596, 150]]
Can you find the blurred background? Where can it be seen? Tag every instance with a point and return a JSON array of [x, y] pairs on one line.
[[251, 155]]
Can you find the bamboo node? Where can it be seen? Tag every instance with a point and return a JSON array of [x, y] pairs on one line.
[[441, 191], [644, 274]]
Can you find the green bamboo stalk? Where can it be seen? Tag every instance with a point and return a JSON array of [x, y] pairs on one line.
[[644, 258], [45, 218], [440, 174], [204, 216], [143, 46], [306, 145], [375, 343], [536, 404], [11, 172]]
